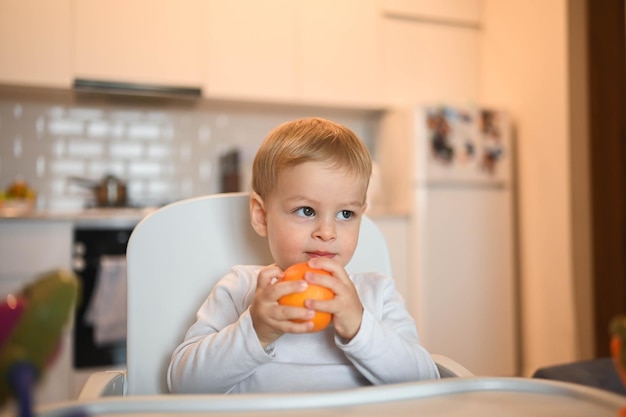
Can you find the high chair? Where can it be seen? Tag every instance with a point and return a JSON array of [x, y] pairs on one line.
[[174, 256]]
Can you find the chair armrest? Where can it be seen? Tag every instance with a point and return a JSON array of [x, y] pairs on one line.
[[104, 384], [449, 368]]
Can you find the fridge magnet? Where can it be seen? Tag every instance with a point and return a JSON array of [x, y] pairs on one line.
[[491, 131], [439, 135], [450, 135]]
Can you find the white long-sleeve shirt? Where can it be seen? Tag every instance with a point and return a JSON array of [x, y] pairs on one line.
[[222, 354]]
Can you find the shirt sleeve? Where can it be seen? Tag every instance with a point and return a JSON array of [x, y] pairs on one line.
[[221, 348], [386, 348]]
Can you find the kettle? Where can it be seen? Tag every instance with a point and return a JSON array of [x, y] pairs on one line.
[[109, 192]]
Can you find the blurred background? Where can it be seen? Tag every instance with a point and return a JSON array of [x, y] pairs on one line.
[[172, 98]]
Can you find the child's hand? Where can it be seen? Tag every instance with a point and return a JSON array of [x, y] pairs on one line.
[[346, 307], [270, 319]]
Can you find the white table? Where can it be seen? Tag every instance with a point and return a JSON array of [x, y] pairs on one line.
[[472, 396]]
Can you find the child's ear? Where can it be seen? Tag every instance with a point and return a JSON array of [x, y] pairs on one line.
[[258, 216]]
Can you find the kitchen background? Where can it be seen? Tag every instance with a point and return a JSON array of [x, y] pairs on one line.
[[162, 154], [528, 58]]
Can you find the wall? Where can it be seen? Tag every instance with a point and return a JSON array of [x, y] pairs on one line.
[[581, 173], [525, 66], [165, 151]]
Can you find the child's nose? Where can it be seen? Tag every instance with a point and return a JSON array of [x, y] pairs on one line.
[[325, 230]]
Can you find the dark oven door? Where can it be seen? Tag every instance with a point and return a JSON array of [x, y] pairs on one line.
[[90, 248]]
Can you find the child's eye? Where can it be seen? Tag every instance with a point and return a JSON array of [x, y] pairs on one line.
[[305, 212], [345, 214]]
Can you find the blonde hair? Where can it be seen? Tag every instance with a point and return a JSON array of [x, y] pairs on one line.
[[308, 140]]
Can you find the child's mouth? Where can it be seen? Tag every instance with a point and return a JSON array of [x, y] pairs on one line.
[[320, 254]]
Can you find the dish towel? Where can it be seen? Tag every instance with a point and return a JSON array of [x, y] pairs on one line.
[[107, 309]]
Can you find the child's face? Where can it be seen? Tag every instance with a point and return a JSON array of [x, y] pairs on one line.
[[314, 211]]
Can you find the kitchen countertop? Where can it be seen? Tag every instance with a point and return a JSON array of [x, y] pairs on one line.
[[100, 217], [122, 217]]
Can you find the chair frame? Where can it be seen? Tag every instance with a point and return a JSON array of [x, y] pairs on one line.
[[153, 253]]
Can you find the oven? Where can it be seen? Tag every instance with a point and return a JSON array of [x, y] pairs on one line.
[[91, 248]]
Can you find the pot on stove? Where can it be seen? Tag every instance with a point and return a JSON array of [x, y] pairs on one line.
[[108, 192]]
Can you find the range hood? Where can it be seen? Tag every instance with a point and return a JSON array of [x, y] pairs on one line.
[[135, 89]]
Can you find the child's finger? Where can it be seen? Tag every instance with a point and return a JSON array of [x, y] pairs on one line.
[[289, 287], [268, 275]]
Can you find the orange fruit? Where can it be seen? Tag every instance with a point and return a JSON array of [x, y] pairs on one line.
[[321, 320]]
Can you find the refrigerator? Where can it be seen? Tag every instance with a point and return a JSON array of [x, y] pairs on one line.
[[450, 170]]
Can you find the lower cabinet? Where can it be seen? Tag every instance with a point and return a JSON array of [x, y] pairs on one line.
[[29, 248]]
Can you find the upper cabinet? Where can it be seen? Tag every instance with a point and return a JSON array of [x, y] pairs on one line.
[[347, 53], [338, 52], [35, 38], [322, 52], [250, 51], [430, 50], [146, 41], [442, 64]]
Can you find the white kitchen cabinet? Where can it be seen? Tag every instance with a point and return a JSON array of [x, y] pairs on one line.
[[429, 63], [29, 248], [144, 41], [251, 49], [35, 39], [320, 52], [349, 53], [338, 52]]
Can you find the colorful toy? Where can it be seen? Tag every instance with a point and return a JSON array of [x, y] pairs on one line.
[[31, 324], [617, 331]]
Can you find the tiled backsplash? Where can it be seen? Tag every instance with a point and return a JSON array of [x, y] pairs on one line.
[[163, 154]]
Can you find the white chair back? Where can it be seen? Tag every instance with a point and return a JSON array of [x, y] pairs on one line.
[[175, 256]]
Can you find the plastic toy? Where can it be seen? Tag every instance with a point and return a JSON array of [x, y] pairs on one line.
[[617, 331], [31, 324]]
